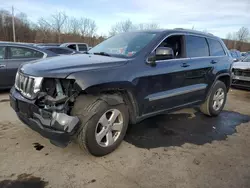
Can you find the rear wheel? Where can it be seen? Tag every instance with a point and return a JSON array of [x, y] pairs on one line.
[[216, 100], [103, 128]]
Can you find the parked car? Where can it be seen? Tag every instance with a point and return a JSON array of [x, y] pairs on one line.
[[80, 47], [12, 55], [60, 50], [241, 73], [236, 55], [92, 97]]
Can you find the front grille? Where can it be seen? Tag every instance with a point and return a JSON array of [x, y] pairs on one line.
[[241, 83], [239, 72], [25, 84]]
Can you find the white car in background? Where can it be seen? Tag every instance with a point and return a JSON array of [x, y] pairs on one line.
[[80, 47], [241, 73]]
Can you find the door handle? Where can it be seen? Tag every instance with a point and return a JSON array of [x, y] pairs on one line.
[[185, 65], [213, 62], [2, 66]]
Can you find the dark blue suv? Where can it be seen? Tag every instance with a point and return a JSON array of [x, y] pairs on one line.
[[93, 97]]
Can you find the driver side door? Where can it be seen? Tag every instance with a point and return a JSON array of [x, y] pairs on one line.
[[162, 87]]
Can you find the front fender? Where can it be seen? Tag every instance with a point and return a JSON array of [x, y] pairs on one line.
[[98, 81]]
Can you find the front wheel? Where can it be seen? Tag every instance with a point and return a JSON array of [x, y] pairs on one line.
[[103, 132], [216, 100]]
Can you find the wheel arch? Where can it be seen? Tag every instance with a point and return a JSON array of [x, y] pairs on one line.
[[225, 78], [114, 94]]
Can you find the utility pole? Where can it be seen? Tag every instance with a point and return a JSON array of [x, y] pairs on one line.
[[13, 25]]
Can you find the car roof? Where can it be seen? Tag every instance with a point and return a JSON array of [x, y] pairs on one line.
[[57, 47], [47, 44], [16, 43], [68, 43], [178, 30]]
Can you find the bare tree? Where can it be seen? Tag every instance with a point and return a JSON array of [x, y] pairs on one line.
[[120, 27], [229, 36], [92, 28], [55, 28], [242, 36], [73, 26], [228, 39], [57, 22], [5, 25], [44, 30], [88, 27]]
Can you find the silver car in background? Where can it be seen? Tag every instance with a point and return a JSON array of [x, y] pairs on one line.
[[241, 73]]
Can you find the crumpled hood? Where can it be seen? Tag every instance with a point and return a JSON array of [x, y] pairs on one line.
[[241, 65], [62, 66]]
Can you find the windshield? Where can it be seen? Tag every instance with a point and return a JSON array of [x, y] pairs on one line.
[[126, 44], [247, 59]]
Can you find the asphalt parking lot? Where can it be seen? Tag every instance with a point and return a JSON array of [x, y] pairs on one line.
[[183, 149]]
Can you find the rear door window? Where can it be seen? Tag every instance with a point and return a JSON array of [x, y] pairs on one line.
[[72, 46], [22, 53], [216, 48], [196, 46], [82, 47]]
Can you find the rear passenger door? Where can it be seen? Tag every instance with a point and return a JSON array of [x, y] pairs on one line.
[[18, 56], [199, 67], [218, 57]]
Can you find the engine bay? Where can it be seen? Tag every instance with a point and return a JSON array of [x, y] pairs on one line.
[[57, 95]]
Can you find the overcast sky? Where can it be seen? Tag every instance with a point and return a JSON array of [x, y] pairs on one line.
[[215, 16]]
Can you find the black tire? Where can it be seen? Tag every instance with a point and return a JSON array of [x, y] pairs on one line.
[[89, 113], [207, 106]]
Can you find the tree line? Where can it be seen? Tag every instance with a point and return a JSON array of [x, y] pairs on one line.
[[238, 40], [59, 28], [56, 28]]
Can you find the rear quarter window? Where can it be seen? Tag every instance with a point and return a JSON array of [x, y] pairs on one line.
[[216, 48]]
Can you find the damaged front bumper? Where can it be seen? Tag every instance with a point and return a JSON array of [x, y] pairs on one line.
[[58, 127]]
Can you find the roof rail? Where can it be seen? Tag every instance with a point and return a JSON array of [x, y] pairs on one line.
[[194, 31]]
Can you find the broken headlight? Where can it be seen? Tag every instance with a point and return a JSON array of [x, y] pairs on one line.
[[29, 86]]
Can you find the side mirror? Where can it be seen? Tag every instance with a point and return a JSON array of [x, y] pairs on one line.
[[163, 53]]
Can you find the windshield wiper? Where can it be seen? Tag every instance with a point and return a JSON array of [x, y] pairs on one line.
[[102, 53]]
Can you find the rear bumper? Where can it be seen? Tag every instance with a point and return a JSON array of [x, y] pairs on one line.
[[58, 127]]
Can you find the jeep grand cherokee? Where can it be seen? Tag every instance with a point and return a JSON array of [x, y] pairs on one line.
[[93, 97]]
